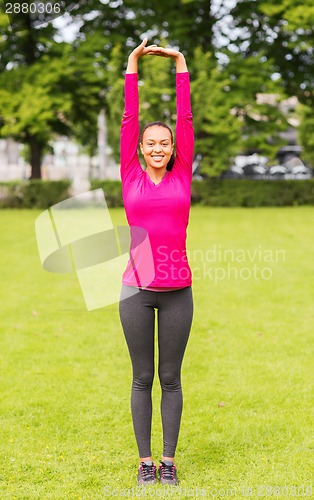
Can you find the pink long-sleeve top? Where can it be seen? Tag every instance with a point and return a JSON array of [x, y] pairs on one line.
[[158, 214]]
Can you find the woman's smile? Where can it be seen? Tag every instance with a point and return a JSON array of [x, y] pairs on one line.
[[158, 157]]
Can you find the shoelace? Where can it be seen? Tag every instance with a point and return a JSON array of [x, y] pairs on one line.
[[148, 471], [167, 471]]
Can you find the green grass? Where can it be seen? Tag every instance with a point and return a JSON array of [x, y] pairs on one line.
[[65, 422]]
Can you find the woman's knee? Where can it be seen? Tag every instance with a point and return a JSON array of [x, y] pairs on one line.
[[170, 381], [143, 380]]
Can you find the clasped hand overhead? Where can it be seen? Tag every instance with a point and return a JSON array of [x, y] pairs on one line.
[[154, 50], [143, 50]]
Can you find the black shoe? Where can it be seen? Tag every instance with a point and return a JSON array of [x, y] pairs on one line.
[[168, 472], [147, 473]]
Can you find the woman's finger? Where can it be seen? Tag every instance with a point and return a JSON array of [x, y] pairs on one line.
[[158, 52]]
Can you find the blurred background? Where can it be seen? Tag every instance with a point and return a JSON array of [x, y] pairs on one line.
[[252, 73]]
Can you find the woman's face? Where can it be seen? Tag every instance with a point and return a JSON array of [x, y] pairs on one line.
[[157, 146]]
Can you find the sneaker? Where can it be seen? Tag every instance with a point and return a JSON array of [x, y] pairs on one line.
[[147, 473], [168, 472]]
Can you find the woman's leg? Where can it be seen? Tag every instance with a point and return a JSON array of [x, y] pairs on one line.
[[137, 316], [175, 313]]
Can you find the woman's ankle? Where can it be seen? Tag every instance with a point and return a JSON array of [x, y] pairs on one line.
[[146, 459]]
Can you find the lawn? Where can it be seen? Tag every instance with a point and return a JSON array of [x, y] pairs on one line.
[[247, 424]]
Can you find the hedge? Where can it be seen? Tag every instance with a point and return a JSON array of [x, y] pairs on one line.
[[34, 193], [111, 189], [232, 192], [253, 193], [211, 192]]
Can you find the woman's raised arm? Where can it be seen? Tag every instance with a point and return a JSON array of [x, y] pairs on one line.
[[130, 165], [184, 125], [129, 134]]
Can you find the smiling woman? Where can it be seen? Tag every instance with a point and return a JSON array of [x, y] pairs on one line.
[[157, 200], [157, 147]]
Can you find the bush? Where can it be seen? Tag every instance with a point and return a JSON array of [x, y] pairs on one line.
[[252, 193], [35, 193], [232, 192], [210, 192], [112, 191]]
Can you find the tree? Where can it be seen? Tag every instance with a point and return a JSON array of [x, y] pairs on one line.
[[19, 51], [115, 99], [283, 31], [261, 120], [224, 101], [306, 133], [47, 88], [184, 23], [68, 85], [217, 130], [228, 118]]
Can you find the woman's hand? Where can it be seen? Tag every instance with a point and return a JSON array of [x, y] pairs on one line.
[[165, 52], [139, 51], [177, 56]]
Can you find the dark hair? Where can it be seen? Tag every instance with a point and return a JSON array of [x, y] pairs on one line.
[[161, 124]]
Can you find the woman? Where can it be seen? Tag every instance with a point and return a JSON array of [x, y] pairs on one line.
[[158, 276]]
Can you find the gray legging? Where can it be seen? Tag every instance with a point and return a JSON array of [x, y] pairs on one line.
[[137, 314]]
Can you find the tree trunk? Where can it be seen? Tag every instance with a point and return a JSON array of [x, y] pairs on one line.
[[36, 153]]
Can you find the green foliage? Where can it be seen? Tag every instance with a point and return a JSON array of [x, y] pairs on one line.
[[35, 193], [157, 90], [306, 133], [252, 193], [59, 94], [25, 109], [217, 130], [227, 117], [115, 99], [185, 23], [284, 32], [49, 88], [112, 191], [261, 122], [232, 192]]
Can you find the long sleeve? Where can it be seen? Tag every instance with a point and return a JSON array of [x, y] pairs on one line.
[[184, 127], [129, 135], [161, 210]]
